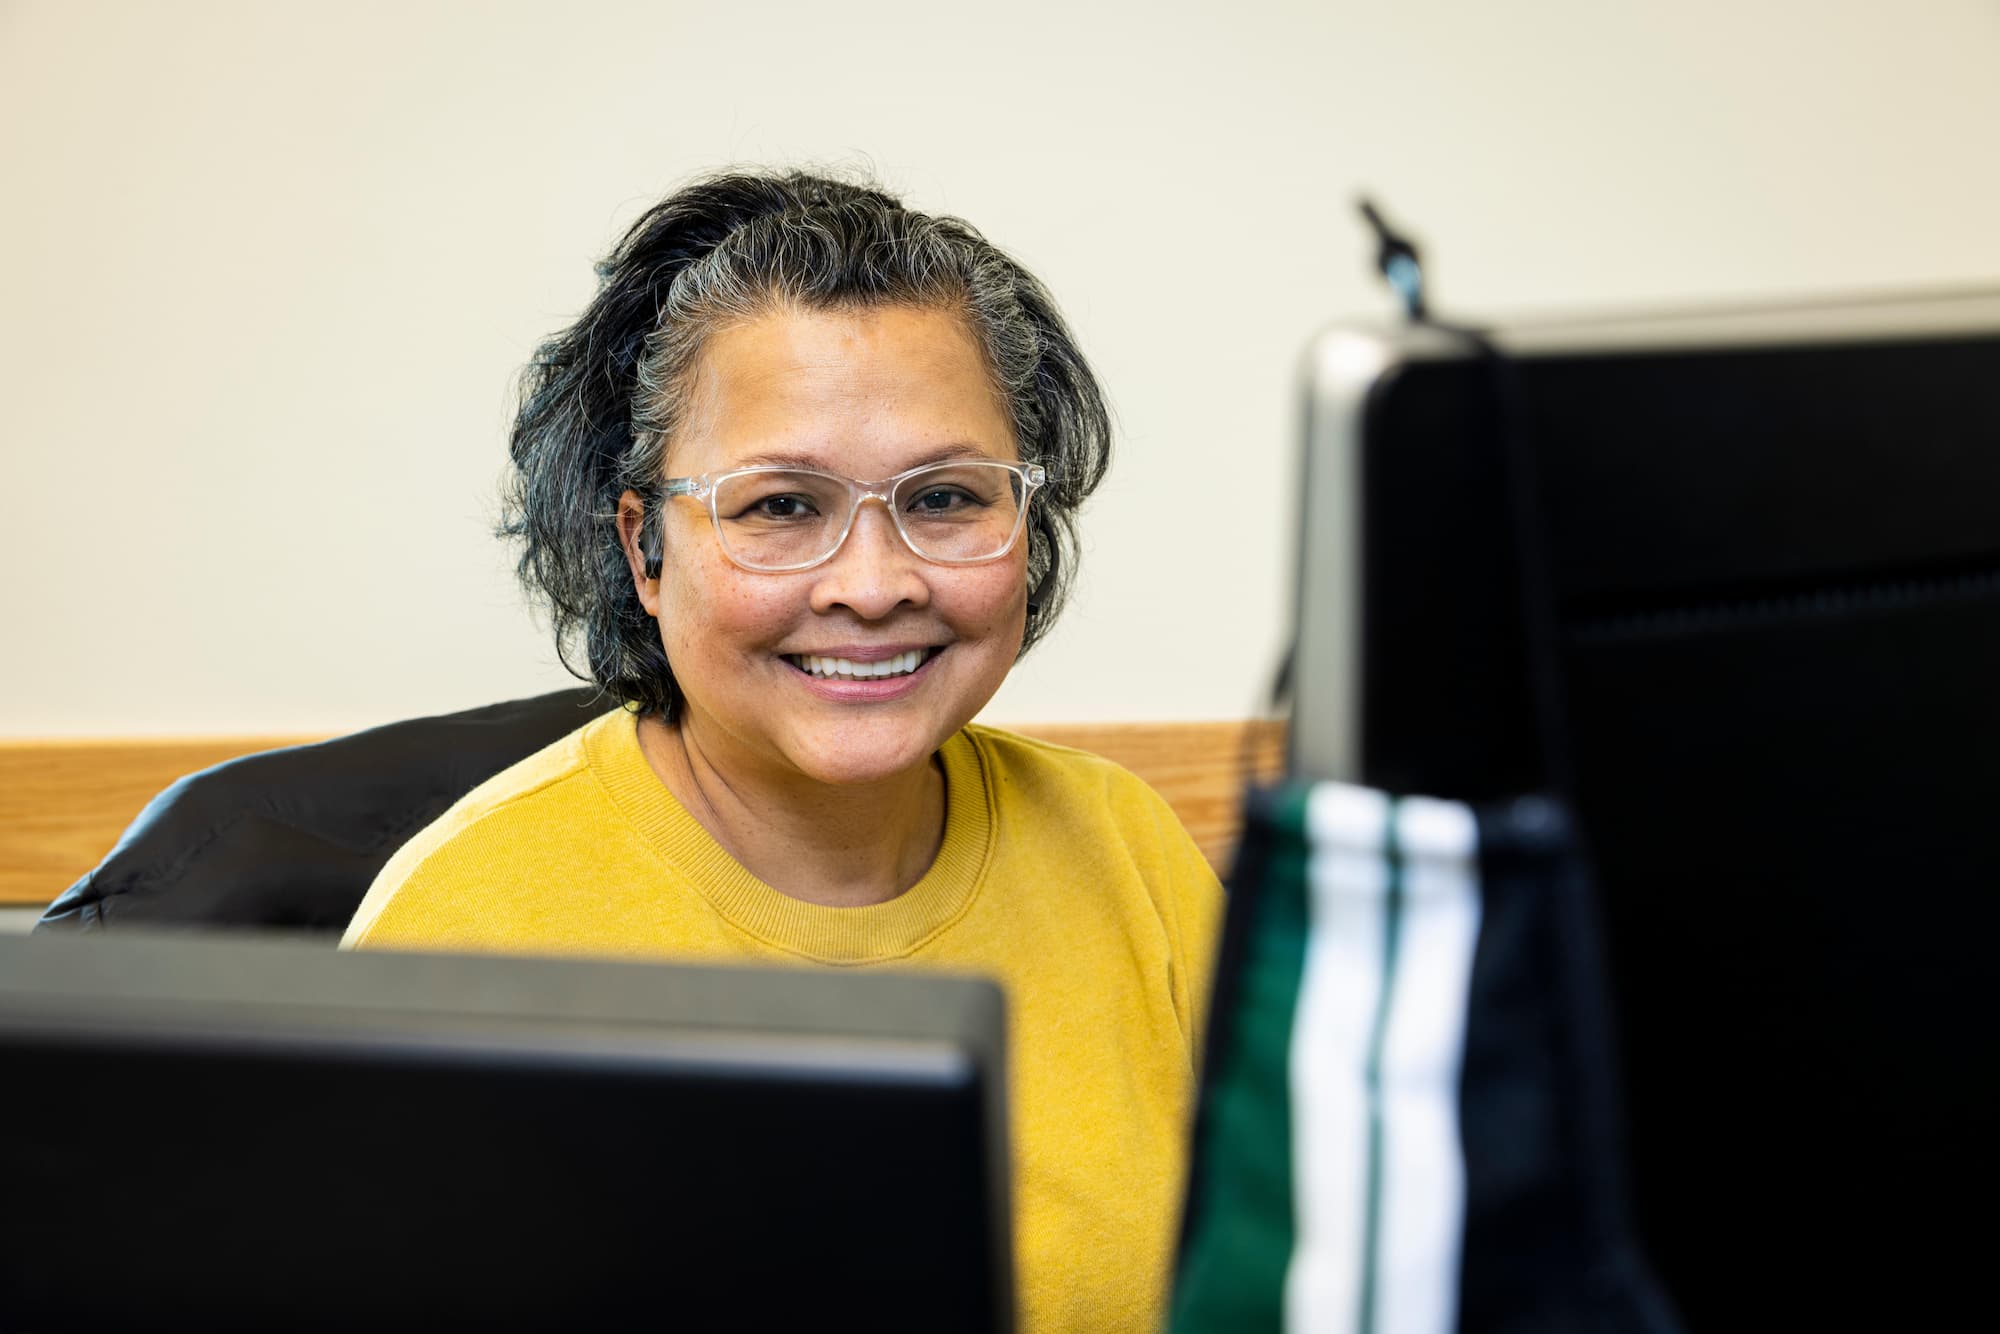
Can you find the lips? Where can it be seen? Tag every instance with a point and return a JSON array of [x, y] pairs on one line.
[[862, 666]]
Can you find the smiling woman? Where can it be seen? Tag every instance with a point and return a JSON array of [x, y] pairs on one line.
[[874, 392], [798, 488]]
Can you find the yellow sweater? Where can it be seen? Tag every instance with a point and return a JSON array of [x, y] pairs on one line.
[[1061, 875]]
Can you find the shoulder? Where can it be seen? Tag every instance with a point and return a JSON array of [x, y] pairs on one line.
[[1058, 789], [490, 826], [1015, 759], [1096, 832]]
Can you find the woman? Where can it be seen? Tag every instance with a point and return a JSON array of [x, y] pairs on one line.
[[802, 480]]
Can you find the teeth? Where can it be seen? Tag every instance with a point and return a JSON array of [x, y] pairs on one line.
[[840, 668]]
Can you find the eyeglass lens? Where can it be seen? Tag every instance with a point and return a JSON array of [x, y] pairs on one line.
[[954, 512]]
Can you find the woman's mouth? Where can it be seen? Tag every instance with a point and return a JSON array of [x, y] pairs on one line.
[[844, 669]]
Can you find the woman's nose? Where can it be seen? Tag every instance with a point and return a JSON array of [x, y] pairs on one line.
[[874, 572]]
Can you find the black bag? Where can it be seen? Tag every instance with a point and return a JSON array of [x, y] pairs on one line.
[[1409, 1119]]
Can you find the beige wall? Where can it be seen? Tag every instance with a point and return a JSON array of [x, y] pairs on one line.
[[266, 271]]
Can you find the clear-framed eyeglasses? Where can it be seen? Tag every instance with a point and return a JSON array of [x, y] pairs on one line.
[[773, 519]]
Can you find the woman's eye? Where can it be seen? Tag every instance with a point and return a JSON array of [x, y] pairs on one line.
[[781, 507], [940, 500]]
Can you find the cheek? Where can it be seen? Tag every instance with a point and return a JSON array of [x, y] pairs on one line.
[[710, 610], [993, 600]]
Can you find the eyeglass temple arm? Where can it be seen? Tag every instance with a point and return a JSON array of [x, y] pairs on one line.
[[649, 537]]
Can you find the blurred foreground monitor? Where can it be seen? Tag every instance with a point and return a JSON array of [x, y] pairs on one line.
[[217, 1134]]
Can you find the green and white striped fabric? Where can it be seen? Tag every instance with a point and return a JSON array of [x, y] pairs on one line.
[[1329, 1186]]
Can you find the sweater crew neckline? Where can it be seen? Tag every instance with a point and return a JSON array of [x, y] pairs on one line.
[[873, 933]]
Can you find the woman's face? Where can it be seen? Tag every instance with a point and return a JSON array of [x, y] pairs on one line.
[[865, 393]]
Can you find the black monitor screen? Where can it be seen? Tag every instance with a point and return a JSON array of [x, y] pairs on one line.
[[1774, 566]]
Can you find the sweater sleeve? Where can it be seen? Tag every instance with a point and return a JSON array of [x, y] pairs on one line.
[[1190, 900]]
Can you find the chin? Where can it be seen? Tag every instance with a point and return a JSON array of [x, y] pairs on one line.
[[864, 760]]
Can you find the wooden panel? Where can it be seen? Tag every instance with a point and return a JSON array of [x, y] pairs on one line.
[[64, 803]]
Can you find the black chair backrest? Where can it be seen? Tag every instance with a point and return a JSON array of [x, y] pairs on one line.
[[291, 839]]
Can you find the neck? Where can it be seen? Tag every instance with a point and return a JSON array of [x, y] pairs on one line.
[[843, 845]]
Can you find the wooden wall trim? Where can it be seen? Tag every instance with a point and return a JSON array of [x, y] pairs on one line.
[[64, 803]]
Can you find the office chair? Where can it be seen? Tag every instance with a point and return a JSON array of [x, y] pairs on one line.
[[290, 839]]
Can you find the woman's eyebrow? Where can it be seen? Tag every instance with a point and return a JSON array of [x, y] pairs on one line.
[[782, 458], [772, 458]]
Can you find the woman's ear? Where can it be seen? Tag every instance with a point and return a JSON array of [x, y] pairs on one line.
[[641, 544]]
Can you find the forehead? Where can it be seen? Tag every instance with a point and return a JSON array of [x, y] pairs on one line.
[[866, 392]]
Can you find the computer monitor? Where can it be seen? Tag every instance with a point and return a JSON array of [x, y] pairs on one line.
[[1765, 545], [232, 1134]]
